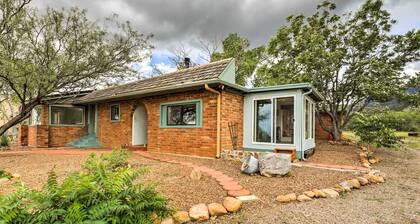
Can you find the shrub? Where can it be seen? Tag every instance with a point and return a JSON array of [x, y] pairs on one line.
[[103, 192], [5, 174], [4, 141], [372, 130]]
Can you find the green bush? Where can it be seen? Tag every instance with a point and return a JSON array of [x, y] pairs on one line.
[[371, 129], [103, 192], [5, 174], [4, 141]]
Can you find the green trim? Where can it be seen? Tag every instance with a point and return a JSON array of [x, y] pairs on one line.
[[257, 150], [228, 75], [163, 113]]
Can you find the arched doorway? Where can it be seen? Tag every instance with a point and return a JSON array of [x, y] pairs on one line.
[[139, 135]]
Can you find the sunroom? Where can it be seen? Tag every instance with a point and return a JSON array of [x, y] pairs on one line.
[[280, 117]]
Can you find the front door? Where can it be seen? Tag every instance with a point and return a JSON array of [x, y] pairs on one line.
[[92, 119]]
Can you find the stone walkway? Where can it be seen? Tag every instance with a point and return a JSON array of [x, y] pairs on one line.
[[231, 187]]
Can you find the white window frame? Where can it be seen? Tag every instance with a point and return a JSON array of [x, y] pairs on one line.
[[273, 114], [119, 112], [31, 120], [68, 106], [311, 134]]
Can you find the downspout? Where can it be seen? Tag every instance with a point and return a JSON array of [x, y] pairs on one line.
[[219, 105], [303, 139]]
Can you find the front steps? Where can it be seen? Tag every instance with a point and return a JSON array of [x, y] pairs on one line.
[[88, 141]]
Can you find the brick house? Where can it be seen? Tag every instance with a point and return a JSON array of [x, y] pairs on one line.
[[195, 111]]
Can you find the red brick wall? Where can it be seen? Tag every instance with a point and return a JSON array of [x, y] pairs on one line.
[[232, 111], [62, 135], [321, 134], [23, 135], [189, 141], [38, 136]]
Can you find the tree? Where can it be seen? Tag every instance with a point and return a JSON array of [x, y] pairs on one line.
[[59, 51], [351, 58], [247, 59]]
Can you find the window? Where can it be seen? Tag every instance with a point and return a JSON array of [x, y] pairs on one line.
[[66, 115], [181, 114], [115, 112], [278, 130], [309, 119], [35, 118]]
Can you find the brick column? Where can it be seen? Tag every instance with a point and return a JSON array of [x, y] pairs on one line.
[[23, 135]]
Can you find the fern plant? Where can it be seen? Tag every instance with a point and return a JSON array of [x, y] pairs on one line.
[[104, 192]]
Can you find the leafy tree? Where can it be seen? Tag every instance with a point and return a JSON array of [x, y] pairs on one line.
[[247, 59], [104, 192], [350, 58], [371, 129], [60, 51]]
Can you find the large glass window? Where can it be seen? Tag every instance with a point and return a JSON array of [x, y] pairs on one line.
[[284, 120], [60, 115], [263, 120], [309, 119], [279, 130], [181, 114]]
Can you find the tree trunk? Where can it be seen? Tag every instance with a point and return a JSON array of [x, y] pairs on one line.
[[24, 113], [336, 129]]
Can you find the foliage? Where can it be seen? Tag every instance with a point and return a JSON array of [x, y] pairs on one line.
[[56, 51], [5, 174], [350, 58], [372, 130], [235, 46], [103, 193], [4, 141], [406, 120]]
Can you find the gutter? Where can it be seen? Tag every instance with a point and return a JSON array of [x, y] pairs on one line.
[[303, 139], [219, 105]]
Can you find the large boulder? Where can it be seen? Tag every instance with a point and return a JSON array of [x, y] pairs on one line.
[[275, 164], [199, 212], [250, 165], [216, 209], [232, 204]]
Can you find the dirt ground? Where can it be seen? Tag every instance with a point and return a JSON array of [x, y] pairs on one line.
[[396, 201]]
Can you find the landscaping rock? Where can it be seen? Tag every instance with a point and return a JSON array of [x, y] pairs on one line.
[[16, 176], [373, 160], [232, 204], [216, 209], [367, 165], [250, 165], [330, 193], [303, 197], [363, 181], [339, 188], [363, 148], [355, 183], [319, 194], [310, 194], [199, 212], [346, 185], [375, 179], [167, 221], [195, 174], [182, 217], [275, 164], [286, 198]]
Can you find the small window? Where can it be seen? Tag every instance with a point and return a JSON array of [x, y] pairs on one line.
[[187, 114], [36, 114], [62, 115], [115, 112]]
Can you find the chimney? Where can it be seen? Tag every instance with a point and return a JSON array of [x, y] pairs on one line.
[[187, 62]]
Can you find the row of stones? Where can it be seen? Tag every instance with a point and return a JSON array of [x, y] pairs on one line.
[[232, 187], [366, 157], [374, 177], [203, 212]]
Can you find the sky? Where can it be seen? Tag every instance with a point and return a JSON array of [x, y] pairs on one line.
[[176, 23]]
